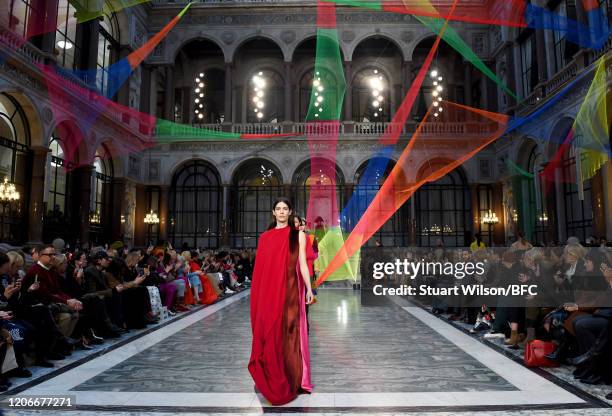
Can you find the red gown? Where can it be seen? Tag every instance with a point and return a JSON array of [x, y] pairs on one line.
[[280, 360]]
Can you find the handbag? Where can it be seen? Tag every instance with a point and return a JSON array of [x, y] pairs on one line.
[[535, 352]]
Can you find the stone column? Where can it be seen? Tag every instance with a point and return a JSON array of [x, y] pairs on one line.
[[225, 221], [348, 98], [541, 54], [467, 81], [83, 202], [116, 208], [140, 228], [164, 195], [145, 89], [169, 94], [37, 193], [288, 67], [406, 77], [153, 92], [123, 95], [227, 117]]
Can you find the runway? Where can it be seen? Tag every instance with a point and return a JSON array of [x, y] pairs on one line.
[[389, 358]]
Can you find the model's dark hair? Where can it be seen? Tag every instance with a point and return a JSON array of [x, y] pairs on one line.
[[294, 234]]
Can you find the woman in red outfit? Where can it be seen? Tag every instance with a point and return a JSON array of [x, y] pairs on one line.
[[280, 360]]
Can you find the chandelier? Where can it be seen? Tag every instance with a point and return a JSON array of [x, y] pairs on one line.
[[8, 192], [94, 217], [490, 218], [151, 218], [437, 91], [199, 97], [543, 218]]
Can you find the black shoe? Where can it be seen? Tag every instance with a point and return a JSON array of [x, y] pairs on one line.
[[55, 356], [83, 346], [582, 358], [559, 354], [593, 379], [43, 363], [581, 370], [20, 372], [93, 338]]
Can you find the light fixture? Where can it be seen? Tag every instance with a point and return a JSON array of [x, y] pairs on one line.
[[151, 218], [94, 217], [435, 104], [434, 73], [8, 192], [543, 217], [490, 218], [64, 44], [375, 103]]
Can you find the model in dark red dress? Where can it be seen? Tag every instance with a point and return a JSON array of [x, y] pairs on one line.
[[280, 360]]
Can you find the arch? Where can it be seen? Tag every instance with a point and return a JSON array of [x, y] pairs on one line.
[[198, 166], [257, 37], [181, 164], [458, 175], [413, 46], [363, 164], [255, 162], [524, 150], [31, 113], [302, 172], [72, 137], [558, 134], [385, 36], [200, 37], [310, 38]]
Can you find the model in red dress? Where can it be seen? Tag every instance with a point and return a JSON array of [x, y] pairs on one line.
[[280, 360]]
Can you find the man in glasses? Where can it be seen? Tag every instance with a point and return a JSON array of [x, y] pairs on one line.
[[41, 286]]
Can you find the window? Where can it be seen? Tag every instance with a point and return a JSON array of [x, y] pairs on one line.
[[101, 182], [14, 150], [107, 46], [443, 212], [578, 214], [529, 68], [65, 37], [256, 185], [57, 177], [195, 206], [20, 14], [563, 50], [394, 232]]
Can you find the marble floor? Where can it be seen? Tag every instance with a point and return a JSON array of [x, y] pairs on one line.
[[389, 359]]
